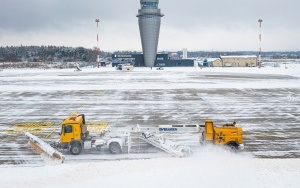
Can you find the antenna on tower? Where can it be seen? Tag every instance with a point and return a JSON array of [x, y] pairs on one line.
[[259, 52], [98, 49]]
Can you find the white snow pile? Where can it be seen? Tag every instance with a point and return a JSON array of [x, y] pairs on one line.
[[213, 167]]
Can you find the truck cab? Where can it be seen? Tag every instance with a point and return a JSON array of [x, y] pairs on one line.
[[73, 130]]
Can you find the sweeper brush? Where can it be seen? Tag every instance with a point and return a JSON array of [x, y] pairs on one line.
[[42, 147]]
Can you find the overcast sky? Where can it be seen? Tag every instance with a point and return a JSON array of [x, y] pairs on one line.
[[194, 24]]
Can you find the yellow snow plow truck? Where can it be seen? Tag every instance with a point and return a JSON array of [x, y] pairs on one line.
[[75, 137], [173, 139], [228, 134]]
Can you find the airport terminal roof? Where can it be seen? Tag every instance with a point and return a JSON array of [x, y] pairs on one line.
[[238, 56]]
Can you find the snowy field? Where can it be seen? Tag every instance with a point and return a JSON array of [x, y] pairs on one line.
[[213, 168], [265, 102]]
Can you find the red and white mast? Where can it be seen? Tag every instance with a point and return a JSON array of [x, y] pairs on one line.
[[259, 52], [98, 49]]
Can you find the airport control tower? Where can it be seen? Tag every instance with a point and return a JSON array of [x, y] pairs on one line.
[[149, 23]]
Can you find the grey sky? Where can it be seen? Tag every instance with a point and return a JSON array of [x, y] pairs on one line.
[[192, 24]]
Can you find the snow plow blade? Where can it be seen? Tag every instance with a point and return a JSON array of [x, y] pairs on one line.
[[42, 147]]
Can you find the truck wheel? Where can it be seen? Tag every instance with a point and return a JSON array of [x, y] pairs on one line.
[[75, 149], [115, 148], [233, 146], [202, 139]]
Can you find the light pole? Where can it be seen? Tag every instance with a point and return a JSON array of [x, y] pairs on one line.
[[259, 52], [98, 50]]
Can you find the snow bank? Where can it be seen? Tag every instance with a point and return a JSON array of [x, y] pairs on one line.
[[175, 77], [289, 69], [210, 168]]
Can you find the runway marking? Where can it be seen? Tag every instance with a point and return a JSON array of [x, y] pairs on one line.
[[41, 127], [32, 127], [82, 105], [48, 135], [96, 126]]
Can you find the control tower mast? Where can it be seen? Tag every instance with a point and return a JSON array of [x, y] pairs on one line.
[[149, 23]]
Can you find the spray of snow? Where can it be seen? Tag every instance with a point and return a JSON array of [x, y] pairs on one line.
[[211, 167], [50, 160]]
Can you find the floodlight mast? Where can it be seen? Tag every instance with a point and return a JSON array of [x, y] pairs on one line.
[[259, 52], [98, 49]]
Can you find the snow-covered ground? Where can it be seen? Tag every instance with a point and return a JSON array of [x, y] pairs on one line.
[[265, 102], [212, 168]]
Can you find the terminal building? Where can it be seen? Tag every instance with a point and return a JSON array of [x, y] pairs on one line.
[[173, 60], [161, 60], [229, 61], [237, 61]]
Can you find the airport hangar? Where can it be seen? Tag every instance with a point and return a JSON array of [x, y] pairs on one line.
[[162, 60]]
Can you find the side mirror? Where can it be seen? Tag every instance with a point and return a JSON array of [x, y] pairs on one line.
[[59, 134]]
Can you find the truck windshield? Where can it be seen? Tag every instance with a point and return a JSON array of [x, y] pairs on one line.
[[67, 128]]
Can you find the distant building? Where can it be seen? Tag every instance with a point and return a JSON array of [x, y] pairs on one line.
[[184, 53], [237, 61], [212, 62], [174, 56], [175, 63], [162, 60]]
